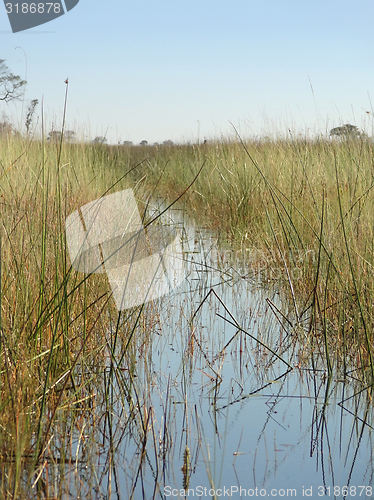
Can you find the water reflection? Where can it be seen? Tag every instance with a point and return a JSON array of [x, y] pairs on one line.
[[215, 394]]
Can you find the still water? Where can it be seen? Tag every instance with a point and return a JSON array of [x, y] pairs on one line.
[[225, 403]]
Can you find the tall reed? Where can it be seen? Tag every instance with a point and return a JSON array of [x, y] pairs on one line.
[[297, 212]]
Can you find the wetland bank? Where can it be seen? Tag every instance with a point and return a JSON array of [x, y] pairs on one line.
[[256, 372]]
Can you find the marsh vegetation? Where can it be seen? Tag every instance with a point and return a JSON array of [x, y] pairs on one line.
[[279, 248]]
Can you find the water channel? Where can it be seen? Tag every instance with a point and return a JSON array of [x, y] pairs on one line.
[[223, 403]]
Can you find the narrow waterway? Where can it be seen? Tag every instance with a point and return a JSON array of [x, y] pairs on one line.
[[223, 403]]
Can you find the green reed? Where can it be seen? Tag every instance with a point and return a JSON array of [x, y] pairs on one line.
[[298, 211], [304, 209]]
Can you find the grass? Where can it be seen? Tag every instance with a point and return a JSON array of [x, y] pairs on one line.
[[52, 322], [301, 212], [297, 212]]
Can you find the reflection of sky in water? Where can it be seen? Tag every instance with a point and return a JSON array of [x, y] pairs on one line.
[[280, 437]]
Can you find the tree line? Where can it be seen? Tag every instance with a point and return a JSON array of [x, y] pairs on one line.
[[13, 86]]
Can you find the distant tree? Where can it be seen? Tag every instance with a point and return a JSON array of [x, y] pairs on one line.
[[127, 143], [11, 86], [347, 130], [30, 114], [144, 143], [69, 135], [99, 140], [54, 136], [168, 143], [6, 127]]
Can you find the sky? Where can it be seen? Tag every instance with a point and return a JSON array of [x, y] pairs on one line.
[[191, 70]]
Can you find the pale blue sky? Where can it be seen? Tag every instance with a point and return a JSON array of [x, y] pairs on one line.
[[184, 69]]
